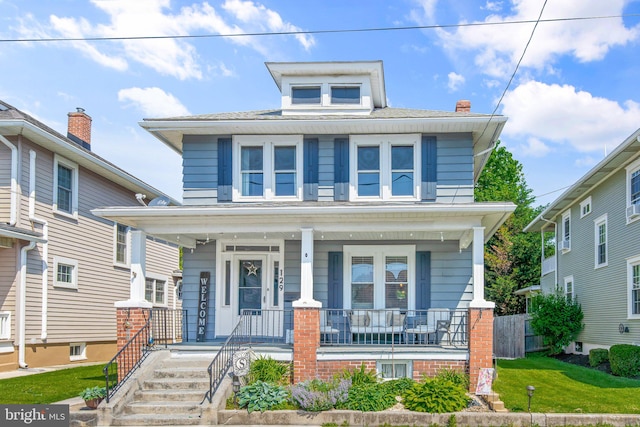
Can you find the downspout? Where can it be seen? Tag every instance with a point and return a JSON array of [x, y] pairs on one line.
[[14, 180], [555, 255], [21, 322], [45, 245]]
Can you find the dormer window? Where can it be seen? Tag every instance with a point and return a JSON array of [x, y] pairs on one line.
[[306, 95], [345, 94]]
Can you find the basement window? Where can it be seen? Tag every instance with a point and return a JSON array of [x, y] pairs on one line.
[[77, 351]]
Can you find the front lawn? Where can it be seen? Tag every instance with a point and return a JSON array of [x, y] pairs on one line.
[[50, 387], [564, 388]]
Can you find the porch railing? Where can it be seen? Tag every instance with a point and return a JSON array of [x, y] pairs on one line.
[[162, 327], [432, 327]]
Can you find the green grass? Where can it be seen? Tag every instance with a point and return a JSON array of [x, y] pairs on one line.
[[50, 387], [564, 388]]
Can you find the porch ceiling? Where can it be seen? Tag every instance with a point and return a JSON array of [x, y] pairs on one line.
[[188, 226]]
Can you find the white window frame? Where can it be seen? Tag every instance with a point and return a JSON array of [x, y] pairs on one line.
[[585, 205], [158, 278], [127, 255], [74, 274], [407, 363], [58, 160], [570, 295], [345, 85], [5, 325], [566, 217], [385, 143], [631, 262], [83, 351], [631, 169], [379, 253], [268, 144], [601, 220]]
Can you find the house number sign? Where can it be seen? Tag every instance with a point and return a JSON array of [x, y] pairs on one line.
[[203, 305]]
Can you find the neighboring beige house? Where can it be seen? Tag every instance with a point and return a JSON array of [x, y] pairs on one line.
[[62, 268]]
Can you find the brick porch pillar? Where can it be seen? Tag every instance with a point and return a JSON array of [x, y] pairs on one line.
[[480, 343], [306, 340]]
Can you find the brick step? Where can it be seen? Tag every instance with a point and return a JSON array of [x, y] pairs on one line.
[[192, 409], [169, 395], [157, 420], [177, 384]]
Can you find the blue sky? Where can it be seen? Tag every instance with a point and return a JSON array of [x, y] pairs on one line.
[[575, 96]]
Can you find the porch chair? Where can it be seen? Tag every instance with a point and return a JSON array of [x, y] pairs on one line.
[[327, 332], [436, 322]]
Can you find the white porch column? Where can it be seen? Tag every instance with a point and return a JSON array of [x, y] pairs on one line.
[[306, 271], [138, 271], [478, 300]]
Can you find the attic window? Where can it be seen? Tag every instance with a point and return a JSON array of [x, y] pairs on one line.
[[305, 95], [345, 95]]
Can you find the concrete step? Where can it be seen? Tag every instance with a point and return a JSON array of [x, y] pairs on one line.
[[157, 420], [181, 372], [192, 409], [185, 362], [169, 395], [176, 384]]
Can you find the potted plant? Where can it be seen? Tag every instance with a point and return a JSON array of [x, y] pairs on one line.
[[93, 396]]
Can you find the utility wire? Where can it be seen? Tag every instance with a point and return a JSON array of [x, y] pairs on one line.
[[312, 32]]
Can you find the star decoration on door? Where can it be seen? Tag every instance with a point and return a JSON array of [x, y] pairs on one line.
[[251, 268]]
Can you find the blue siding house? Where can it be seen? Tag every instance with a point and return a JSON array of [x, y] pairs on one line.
[[341, 226]]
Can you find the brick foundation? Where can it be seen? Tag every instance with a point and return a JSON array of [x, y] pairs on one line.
[[327, 369], [480, 343], [306, 340]]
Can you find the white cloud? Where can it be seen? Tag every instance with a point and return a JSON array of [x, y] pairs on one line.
[[156, 18], [534, 148], [153, 102], [493, 6], [564, 115], [498, 48], [425, 12], [586, 161], [455, 81]]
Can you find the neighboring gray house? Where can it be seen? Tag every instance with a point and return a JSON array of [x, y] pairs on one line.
[[62, 268], [597, 259], [337, 204]]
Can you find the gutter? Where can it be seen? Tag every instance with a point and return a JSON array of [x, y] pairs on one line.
[[20, 310], [45, 245], [14, 180]]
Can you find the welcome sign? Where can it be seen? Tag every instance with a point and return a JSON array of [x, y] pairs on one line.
[[203, 305]]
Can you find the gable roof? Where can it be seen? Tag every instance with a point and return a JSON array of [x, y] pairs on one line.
[[620, 157], [16, 122]]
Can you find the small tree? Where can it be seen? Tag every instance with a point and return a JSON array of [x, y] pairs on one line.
[[558, 319]]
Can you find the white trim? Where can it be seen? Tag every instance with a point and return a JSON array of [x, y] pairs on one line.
[[157, 278], [385, 144], [633, 167], [408, 364], [5, 325], [601, 220], [397, 354], [635, 260], [83, 351], [569, 279], [379, 253], [268, 144], [59, 160], [74, 273], [127, 253], [585, 204]]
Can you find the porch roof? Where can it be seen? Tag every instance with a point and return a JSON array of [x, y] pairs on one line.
[[188, 225]]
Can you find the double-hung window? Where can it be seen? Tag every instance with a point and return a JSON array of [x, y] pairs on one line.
[[601, 241], [565, 242], [633, 191], [155, 290], [65, 186], [269, 169], [121, 250], [568, 288], [387, 167], [633, 280], [379, 277]]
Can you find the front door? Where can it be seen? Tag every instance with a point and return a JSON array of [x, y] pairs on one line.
[[250, 283]]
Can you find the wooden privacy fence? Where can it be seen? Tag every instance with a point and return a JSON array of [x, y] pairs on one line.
[[513, 336]]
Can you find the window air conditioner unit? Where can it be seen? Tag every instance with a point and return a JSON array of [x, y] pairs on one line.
[[633, 211], [565, 245]]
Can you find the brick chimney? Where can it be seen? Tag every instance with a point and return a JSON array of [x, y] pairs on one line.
[[79, 128], [463, 106]]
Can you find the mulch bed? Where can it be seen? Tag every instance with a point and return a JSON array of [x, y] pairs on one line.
[[583, 360]]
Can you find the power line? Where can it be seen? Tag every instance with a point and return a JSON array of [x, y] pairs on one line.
[[315, 32]]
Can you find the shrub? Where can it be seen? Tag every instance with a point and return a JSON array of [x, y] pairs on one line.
[[456, 376], [598, 356], [625, 360], [557, 319], [262, 396], [269, 370], [369, 397], [398, 386], [435, 395], [360, 376], [316, 395]]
